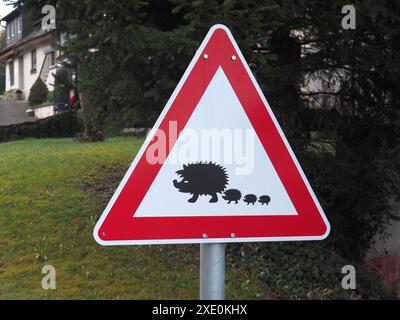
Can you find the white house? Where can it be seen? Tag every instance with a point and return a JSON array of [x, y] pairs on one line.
[[29, 52]]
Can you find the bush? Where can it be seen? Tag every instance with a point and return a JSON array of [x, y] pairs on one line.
[[50, 97], [62, 84], [38, 93], [305, 271]]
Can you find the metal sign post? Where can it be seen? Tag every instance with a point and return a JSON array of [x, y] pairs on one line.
[[212, 271]]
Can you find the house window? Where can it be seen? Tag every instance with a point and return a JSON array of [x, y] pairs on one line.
[[11, 69], [33, 61], [19, 25], [8, 32], [12, 29]]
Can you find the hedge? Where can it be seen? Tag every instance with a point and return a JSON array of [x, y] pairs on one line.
[[59, 126]]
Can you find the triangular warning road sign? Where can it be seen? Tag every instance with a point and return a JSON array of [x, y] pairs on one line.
[[182, 188]]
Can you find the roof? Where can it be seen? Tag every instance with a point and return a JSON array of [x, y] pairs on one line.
[[33, 36], [11, 15]]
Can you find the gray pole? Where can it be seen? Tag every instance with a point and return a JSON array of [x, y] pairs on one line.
[[212, 271]]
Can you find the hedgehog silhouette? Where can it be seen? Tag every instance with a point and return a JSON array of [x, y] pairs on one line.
[[232, 195], [200, 178], [250, 198]]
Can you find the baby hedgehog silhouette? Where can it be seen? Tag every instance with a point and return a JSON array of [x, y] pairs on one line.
[[264, 200], [250, 198], [232, 195], [202, 179]]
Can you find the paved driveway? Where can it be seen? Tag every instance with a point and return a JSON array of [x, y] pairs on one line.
[[12, 112]]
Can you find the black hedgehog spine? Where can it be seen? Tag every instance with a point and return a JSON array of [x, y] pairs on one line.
[[202, 178], [214, 174]]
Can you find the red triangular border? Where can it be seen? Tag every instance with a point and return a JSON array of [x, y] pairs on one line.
[[118, 226]]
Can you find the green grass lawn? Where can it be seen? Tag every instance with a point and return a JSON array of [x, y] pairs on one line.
[[51, 194]]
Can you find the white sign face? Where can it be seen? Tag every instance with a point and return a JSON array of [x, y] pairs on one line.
[[248, 167]]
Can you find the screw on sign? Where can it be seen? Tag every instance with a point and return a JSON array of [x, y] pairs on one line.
[[202, 198]]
